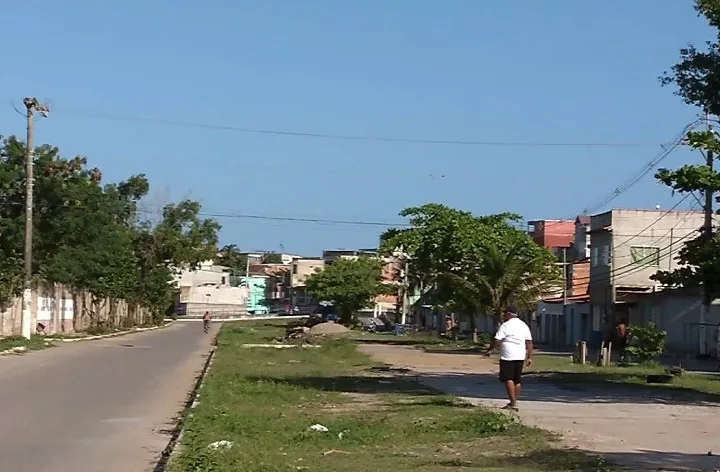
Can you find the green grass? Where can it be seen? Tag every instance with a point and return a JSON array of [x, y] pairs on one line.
[[561, 370], [264, 401], [33, 344]]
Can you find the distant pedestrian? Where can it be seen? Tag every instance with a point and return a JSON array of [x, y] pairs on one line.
[[206, 321], [516, 349]]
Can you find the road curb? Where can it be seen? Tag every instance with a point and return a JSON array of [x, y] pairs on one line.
[[23, 349], [110, 335], [192, 401]]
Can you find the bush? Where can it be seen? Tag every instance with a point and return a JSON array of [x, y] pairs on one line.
[[646, 342], [484, 339]]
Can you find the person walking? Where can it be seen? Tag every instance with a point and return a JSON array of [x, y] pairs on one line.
[[516, 348], [206, 322]]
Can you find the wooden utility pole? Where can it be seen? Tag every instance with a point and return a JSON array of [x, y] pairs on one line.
[[708, 235], [32, 105]]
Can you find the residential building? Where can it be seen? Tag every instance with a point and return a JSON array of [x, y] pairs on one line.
[[207, 288], [330, 255], [300, 299], [552, 234], [257, 302], [628, 247], [581, 243], [677, 312]]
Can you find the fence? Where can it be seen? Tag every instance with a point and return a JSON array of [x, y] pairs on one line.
[[63, 310]]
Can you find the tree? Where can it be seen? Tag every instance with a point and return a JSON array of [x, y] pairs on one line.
[[520, 276], [230, 256], [350, 285], [272, 258], [697, 78], [92, 237], [452, 250]]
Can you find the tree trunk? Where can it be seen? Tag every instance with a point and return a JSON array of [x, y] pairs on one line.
[[346, 316], [473, 328]]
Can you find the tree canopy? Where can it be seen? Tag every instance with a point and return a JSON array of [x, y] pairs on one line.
[[350, 285], [92, 236], [696, 77], [476, 264]]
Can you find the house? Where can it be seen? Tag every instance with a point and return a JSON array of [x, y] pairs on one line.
[[257, 303], [208, 288], [581, 241], [564, 319], [302, 268], [552, 234], [677, 312], [628, 247]]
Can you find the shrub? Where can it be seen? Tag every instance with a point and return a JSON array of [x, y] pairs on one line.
[[646, 342]]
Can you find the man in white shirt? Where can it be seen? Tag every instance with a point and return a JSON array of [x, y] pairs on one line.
[[516, 348]]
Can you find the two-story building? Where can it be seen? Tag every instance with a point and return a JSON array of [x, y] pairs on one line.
[[628, 248]]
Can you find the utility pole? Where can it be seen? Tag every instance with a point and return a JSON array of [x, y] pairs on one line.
[[406, 290], [565, 280], [32, 105], [708, 235]]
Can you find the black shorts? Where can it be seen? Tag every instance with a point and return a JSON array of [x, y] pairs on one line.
[[511, 370]]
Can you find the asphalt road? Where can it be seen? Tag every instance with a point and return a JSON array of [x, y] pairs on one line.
[[97, 406]]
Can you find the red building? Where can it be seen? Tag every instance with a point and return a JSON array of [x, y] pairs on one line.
[[552, 234]]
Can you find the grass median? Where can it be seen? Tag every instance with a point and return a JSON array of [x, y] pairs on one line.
[[267, 402], [16, 342]]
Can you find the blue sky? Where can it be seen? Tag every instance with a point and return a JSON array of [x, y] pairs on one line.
[[471, 70]]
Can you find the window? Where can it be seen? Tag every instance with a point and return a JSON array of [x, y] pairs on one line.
[[594, 252], [645, 255], [606, 255], [295, 269]]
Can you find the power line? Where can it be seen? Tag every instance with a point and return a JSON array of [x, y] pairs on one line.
[[663, 215], [643, 171], [345, 137]]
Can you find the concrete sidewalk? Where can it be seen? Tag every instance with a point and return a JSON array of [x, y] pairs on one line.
[[97, 406]]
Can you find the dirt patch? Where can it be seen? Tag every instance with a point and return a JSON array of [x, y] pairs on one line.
[[675, 436]]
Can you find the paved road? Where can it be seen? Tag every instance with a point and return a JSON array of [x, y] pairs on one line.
[[97, 406]]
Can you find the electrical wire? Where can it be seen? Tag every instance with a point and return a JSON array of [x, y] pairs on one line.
[[346, 137], [633, 267], [643, 171]]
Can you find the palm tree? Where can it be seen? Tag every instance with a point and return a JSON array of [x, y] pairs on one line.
[[519, 275]]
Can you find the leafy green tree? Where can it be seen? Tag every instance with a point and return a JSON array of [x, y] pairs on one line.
[[230, 256], [93, 237], [519, 275], [452, 250], [350, 285], [697, 80], [272, 258]]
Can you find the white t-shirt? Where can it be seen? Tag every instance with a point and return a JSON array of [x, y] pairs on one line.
[[512, 334]]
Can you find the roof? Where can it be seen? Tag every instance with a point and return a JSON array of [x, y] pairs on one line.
[[574, 299], [583, 219]]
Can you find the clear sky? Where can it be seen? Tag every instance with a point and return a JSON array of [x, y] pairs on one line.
[[560, 71]]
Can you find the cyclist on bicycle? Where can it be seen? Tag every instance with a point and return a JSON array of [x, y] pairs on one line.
[[206, 321]]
